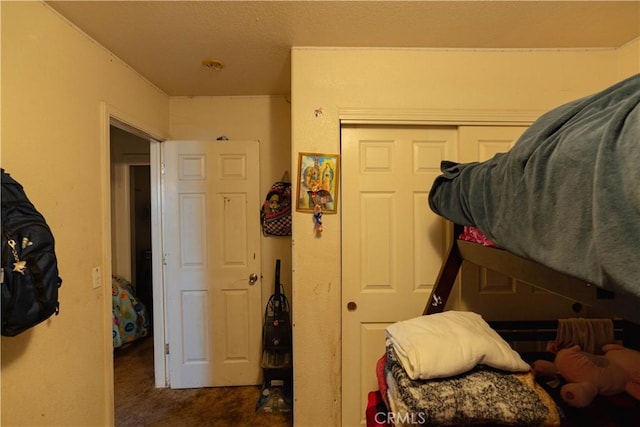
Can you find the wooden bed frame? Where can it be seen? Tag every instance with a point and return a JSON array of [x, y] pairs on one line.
[[528, 271]]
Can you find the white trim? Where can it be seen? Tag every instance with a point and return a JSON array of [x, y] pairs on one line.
[[105, 188], [160, 335], [457, 117], [457, 49], [127, 122], [132, 130]]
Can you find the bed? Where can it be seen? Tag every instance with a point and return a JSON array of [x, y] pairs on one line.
[[460, 370], [562, 207], [560, 211], [617, 304]]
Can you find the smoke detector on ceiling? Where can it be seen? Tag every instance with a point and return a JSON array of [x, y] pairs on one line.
[[213, 64]]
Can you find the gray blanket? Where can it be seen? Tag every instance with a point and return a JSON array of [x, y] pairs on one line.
[[482, 396], [566, 195]]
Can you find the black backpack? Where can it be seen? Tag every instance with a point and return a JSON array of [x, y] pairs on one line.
[[29, 274]]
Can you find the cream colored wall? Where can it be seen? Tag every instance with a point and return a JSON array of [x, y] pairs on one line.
[[403, 80], [263, 118], [629, 59], [54, 79]]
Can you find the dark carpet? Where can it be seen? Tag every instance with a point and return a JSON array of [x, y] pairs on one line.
[[139, 403]]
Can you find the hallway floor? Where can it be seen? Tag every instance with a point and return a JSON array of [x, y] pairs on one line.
[[138, 403]]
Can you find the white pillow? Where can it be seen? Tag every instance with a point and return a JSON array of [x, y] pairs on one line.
[[450, 343]]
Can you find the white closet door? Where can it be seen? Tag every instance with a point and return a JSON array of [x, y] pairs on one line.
[[392, 243]]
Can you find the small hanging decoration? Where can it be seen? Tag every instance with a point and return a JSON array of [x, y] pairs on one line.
[[317, 218]]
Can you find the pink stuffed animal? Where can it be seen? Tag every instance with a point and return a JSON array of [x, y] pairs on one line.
[[629, 360], [588, 375]]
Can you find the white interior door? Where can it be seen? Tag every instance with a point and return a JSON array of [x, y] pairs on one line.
[[212, 249], [496, 296], [392, 243]]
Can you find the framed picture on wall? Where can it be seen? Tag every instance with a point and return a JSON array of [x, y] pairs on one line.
[[318, 182]]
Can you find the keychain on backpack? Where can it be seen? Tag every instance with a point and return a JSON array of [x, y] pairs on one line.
[[18, 266]]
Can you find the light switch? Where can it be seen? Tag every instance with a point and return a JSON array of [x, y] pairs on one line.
[[96, 275]]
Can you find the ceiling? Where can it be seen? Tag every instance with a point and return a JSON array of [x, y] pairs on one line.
[[166, 41]]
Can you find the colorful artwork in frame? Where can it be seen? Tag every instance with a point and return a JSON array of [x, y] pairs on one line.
[[318, 182]]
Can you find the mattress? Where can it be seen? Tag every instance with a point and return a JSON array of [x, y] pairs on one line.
[[567, 195]]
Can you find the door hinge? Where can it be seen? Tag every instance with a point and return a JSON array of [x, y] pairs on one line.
[[162, 168], [166, 348]]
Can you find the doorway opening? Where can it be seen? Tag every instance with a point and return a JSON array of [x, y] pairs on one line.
[[131, 242], [134, 180], [141, 253]]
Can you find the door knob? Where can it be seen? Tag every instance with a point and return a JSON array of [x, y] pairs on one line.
[[352, 306], [253, 278]]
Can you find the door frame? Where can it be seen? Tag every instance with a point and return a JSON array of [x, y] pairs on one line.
[[112, 116]]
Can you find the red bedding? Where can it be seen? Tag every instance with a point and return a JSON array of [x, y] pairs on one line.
[[473, 234]]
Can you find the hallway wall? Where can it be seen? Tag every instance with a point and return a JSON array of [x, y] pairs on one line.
[[57, 85]]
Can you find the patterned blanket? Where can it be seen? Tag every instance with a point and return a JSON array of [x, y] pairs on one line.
[[130, 317], [482, 396]]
